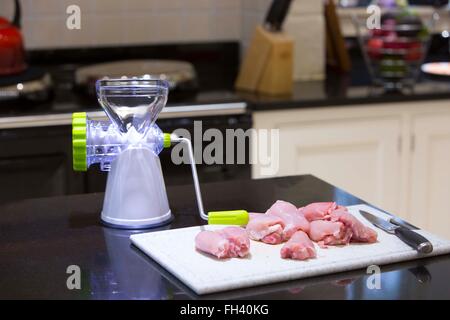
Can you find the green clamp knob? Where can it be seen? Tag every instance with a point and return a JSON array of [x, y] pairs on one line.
[[234, 217], [79, 134], [167, 140]]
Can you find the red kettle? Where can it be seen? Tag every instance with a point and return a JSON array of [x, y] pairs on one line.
[[12, 51]]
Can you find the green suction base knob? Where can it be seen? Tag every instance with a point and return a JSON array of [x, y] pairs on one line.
[[79, 134]]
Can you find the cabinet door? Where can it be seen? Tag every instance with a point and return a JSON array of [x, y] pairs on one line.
[[430, 174], [360, 155], [37, 162], [33, 177]]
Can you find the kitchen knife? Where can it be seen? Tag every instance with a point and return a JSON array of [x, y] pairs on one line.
[[421, 273], [400, 222], [411, 238], [276, 14]]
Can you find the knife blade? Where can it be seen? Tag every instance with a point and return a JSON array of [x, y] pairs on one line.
[[403, 223], [411, 238]]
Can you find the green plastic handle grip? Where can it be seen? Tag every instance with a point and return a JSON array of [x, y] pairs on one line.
[[233, 217]]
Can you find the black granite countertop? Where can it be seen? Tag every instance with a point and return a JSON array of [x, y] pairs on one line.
[[312, 94], [217, 67], [337, 90], [40, 238]]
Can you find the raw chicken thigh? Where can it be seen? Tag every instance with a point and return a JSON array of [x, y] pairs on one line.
[[266, 228], [293, 220], [299, 247], [326, 232], [230, 242], [360, 232], [238, 240], [318, 210], [323, 222], [213, 243]]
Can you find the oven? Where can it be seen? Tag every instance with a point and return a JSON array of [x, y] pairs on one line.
[[180, 174]]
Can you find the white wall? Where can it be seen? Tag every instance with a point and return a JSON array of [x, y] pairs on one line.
[[127, 22], [253, 13]]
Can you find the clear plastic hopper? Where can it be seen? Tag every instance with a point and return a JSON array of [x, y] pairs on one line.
[[132, 103], [132, 106]]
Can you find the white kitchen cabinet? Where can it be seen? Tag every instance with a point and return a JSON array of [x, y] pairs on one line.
[[430, 172], [358, 154], [395, 156]]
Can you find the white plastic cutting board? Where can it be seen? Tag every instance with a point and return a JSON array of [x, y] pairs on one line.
[[175, 251]]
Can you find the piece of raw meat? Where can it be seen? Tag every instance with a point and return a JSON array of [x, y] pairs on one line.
[[239, 243], [318, 210], [213, 243], [281, 206], [293, 220], [299, 247], [360, 232], [326, 232], [266, 228], [229, 242]]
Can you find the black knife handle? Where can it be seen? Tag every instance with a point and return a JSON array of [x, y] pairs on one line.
[[421, 273], [276, 14], [414, 240]]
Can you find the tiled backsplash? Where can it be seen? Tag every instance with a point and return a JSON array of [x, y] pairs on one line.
[[128, 22], [136, 22], [253, 13]]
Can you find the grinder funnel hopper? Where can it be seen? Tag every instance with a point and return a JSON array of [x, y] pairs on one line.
[[132, 103]]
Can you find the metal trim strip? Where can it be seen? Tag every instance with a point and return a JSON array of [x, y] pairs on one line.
[[205, 110]]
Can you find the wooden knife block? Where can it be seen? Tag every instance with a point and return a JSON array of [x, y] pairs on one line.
[[268, 64]]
